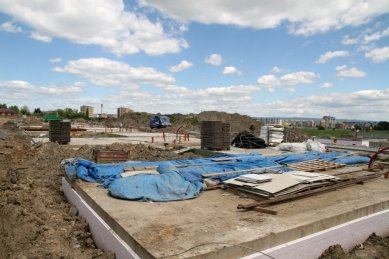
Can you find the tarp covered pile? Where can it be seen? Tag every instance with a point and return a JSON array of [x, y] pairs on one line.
[[183, 179]]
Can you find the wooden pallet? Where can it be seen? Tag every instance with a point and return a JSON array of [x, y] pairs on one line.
[[111, 156], [315, 165]]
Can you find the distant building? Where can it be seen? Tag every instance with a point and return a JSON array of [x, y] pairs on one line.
[[303, 123], [87, 110], [123, 110], [7, 112], [328, 122], [270, 121]]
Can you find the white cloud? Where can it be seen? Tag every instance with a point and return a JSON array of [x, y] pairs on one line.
[[347, 40], [106, 23], [40, 37], [364, 104], [276, 70], [77, 87], [376, 36], [327, 85], [16, 85], [331, 55], [214, 59], [271, 82], [343, 72], [231, 70], [10, 27], [301, 77], [25, 87], [378, 55], [55, 60], [211, 91], [265, 14], [107, 72], [184, 64]]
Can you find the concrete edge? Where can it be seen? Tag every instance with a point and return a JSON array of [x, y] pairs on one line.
[[348, 235], [104, 237]]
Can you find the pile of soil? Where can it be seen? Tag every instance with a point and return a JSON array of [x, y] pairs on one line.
[[374, 247], [192, 122], [294, 135], [35, 218]]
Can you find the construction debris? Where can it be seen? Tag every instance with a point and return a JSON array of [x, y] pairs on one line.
[[315, 165], [248, 140]]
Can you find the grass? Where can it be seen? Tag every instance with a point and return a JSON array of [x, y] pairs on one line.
[[328, 133], [345, 133]]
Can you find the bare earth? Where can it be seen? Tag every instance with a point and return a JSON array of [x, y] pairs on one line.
[[35, 218]]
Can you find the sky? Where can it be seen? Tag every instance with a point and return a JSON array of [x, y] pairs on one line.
[[260, 58]]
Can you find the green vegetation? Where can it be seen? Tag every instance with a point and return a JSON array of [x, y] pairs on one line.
[[66, 113], [382, 125], [177, 118], [343, 133], [328, 133]]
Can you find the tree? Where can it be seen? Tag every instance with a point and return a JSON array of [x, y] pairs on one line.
[[25, 110], [382, 125], [37, 110], [15, 109], [3, 105]]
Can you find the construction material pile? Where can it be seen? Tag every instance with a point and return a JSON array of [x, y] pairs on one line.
[[183, 179], [281, 184], [273, 135], [248, 140], [59, 131], [215, 135]]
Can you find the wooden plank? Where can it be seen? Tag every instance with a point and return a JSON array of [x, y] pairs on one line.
[[315, 165], [267, 211]]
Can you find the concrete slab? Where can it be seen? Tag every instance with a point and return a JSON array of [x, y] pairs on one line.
[[155, 230]]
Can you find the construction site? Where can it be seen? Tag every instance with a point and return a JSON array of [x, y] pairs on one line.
[[228, 187]]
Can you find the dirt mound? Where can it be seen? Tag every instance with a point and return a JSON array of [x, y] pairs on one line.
[[374, 247], [294, 135], [191, 122], [35, 218], [237, 122]]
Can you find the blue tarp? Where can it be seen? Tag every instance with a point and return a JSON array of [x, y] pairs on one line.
[[178, 183], [169, 185]]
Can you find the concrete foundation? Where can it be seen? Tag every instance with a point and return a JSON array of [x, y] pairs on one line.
[[211, 224]]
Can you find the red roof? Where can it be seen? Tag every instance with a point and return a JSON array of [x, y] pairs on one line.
[[7, 111]]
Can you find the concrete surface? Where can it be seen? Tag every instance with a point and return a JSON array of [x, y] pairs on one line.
[[130, 138], [154, 229]]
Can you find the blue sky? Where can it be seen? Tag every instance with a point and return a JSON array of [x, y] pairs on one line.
[[293, 58]]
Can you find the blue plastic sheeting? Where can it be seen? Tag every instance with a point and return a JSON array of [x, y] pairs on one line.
[[169, 185], [174, 183], [352, 160]]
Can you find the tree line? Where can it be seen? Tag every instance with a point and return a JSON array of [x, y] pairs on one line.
[[67, 113]]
